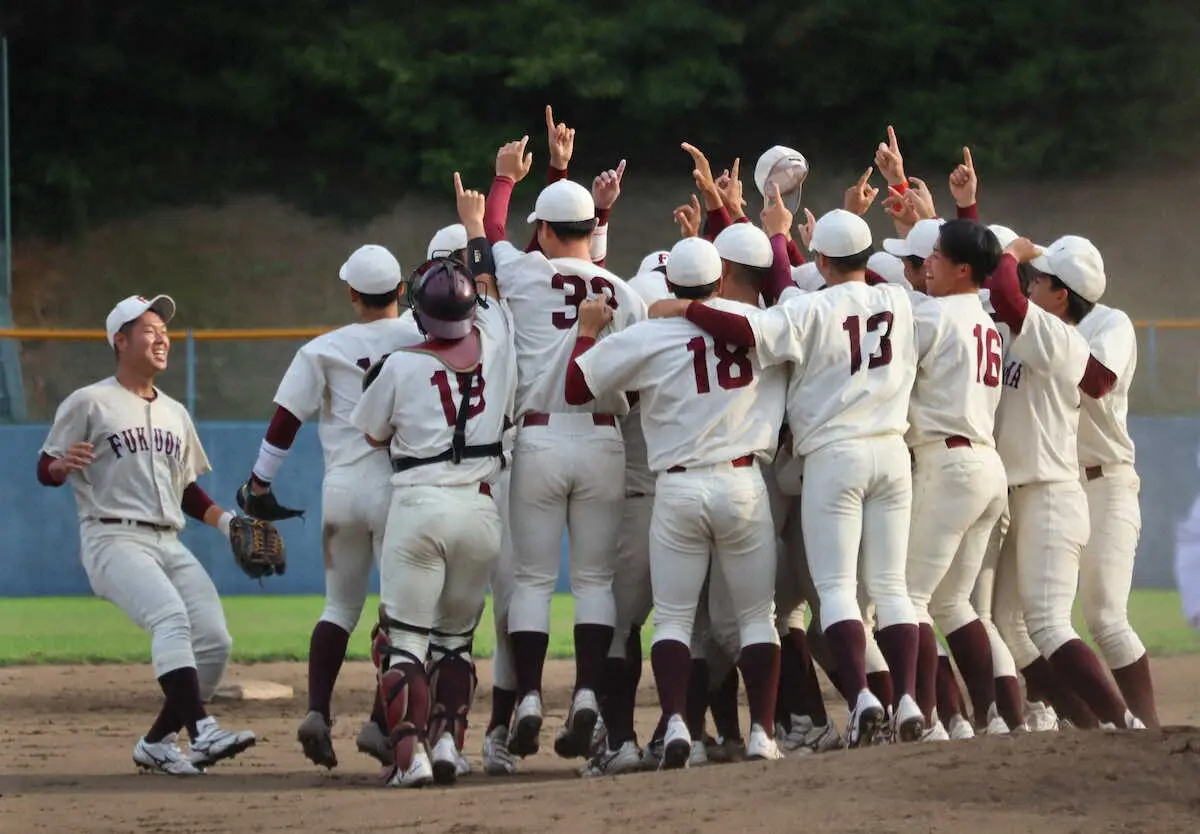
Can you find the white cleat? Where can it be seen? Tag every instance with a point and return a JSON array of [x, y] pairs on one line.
[[497, 761], [625, 759], [445, 758], [866, 720], [576, 739], [163, 757], [1040, 717], [374, 742], [419, 773], [824, 738], [908, 723], [1131, 722], [599, 737], [760, 747], [996, 725], [936, 733], [960, 729], [677, 745], [527, 725], [212, 744], [699, 755]]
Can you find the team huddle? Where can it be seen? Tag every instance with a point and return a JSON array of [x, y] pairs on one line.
[[890, 464]]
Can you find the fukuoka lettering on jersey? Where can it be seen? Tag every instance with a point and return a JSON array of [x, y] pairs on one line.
[[702, 402], [544, 296], [1103, 428], [325, 380], [415, 401], [854, 359], [146, 453], [1037, 423], [959, 368]]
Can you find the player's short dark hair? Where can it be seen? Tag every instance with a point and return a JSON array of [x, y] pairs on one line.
[[1077, 306], [1025, 275], [694, 293], [378, 301], [915, 261], [965, 241], [752, 276], [125, 329], [851, 263], [574, 230]]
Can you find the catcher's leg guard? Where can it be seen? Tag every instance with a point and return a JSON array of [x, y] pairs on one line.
[[452, 682], [404, 689]]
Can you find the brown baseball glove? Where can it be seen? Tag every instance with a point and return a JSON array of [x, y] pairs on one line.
[[257, 547]]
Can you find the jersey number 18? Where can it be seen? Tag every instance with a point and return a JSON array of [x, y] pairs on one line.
[[733, 365]]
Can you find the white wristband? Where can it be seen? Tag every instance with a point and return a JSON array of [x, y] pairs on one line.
[[223, 523], [599, 245], [270, 458]]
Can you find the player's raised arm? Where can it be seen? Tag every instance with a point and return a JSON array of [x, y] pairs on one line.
[[606, 188], [717, 217], [471, 208], [964, 185], [1004, 287], [512, 166]]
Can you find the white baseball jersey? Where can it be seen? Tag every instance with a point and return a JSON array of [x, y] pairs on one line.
[[544, 296], [416, 399], [854, 359], [1037, 423], [146, 453], [1103, 431], [325, 379], [703, 402], [959, 368], [651, 286]]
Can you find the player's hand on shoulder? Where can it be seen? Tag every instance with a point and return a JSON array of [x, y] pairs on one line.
[[606, 187], [595, 314], [669, 308], [512, 161], [77, 457]]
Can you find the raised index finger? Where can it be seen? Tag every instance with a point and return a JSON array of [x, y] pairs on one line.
[[549, 118], [458, 189], [893, 143], [737, 166], [967, 158], [862, 181], [697, 155]]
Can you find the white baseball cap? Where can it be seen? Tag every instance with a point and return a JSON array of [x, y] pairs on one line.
[[788, 165], [1003, 234], [888, 267], [371, 270], [746, 244], [807, 277], [653, 261], [447, 240], [922, 237], [840, 233], [133, 307], [1077, 263], [694, 262], [564, 201]]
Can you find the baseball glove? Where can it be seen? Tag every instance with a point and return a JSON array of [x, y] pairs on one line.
[[264, 506], [257, 547]]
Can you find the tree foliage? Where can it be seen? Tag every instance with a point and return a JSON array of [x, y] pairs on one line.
[[342, 105]]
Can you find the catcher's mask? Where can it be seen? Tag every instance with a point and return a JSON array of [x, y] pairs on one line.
[[443, 295], [786, 168]]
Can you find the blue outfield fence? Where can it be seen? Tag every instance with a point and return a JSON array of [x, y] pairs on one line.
[[39, 541]]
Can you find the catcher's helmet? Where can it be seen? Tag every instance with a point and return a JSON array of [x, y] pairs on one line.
[[443, 296]]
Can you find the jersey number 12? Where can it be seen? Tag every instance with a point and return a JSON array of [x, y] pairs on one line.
[[733, 365]]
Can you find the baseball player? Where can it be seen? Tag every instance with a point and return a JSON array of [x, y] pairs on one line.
[[959, 487], [568, 461], [1047, 365], [1187, 564], [1106, 460], [854, 361], [443, 533], [449, 241], [913, 250], [132, 457], [325, 381], [709, 416]]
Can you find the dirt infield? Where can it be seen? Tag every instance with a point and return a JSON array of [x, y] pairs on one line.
[[67, 733]]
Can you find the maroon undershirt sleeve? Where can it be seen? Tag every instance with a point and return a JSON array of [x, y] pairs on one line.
[[716, 221], [1004, 291], [195, 501], [44, 476], [281, 433], [970, 212], [576, 388], [795, 256], [779, 277], [728, 327], [1097, 380], [874, 279], [495, 210]]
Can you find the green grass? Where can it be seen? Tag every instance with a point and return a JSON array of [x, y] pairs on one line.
[[88, 630]]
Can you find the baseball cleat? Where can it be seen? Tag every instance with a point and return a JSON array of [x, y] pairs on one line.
[[908, 723], [652, 754], [212, 744], [725, 750], [1040, 717], [795, 739], [316, 739], [760, 747], [599, 737], [373, 741], [936, 733], [866, 720], [444, 759], [960, 729], [824, 738], [575, 739], [163, 757], [677, 745], [995, 724], [625, 759], [497, 761], [419, 773], [527, 725], [1132, 722], [699, 755]]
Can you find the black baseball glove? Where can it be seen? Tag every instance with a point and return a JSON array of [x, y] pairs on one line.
[[257, 547], [264, 506]]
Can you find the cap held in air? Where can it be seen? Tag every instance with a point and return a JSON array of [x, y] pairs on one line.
[[746, 244], [839, 234], [371, 270], [133, 307], [1077, 263], [922, 237], [694, 262], [564, 201]]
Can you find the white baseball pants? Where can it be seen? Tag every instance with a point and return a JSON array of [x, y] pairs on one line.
[[439, 550], [570, 473], [631, 577], [719, 509], [165, 591], [1187, 564], [982, 600], [354, 513], [958, 495], [1106, 570], [504, 670], [856, 493]]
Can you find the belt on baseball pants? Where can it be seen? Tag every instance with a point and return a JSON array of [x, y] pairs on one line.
[[1093, 472], [737, 463], [485, 489], [957, 441], [129, 522], [540, 418]]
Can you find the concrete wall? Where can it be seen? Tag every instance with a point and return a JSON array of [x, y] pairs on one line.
[[39, 538]]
